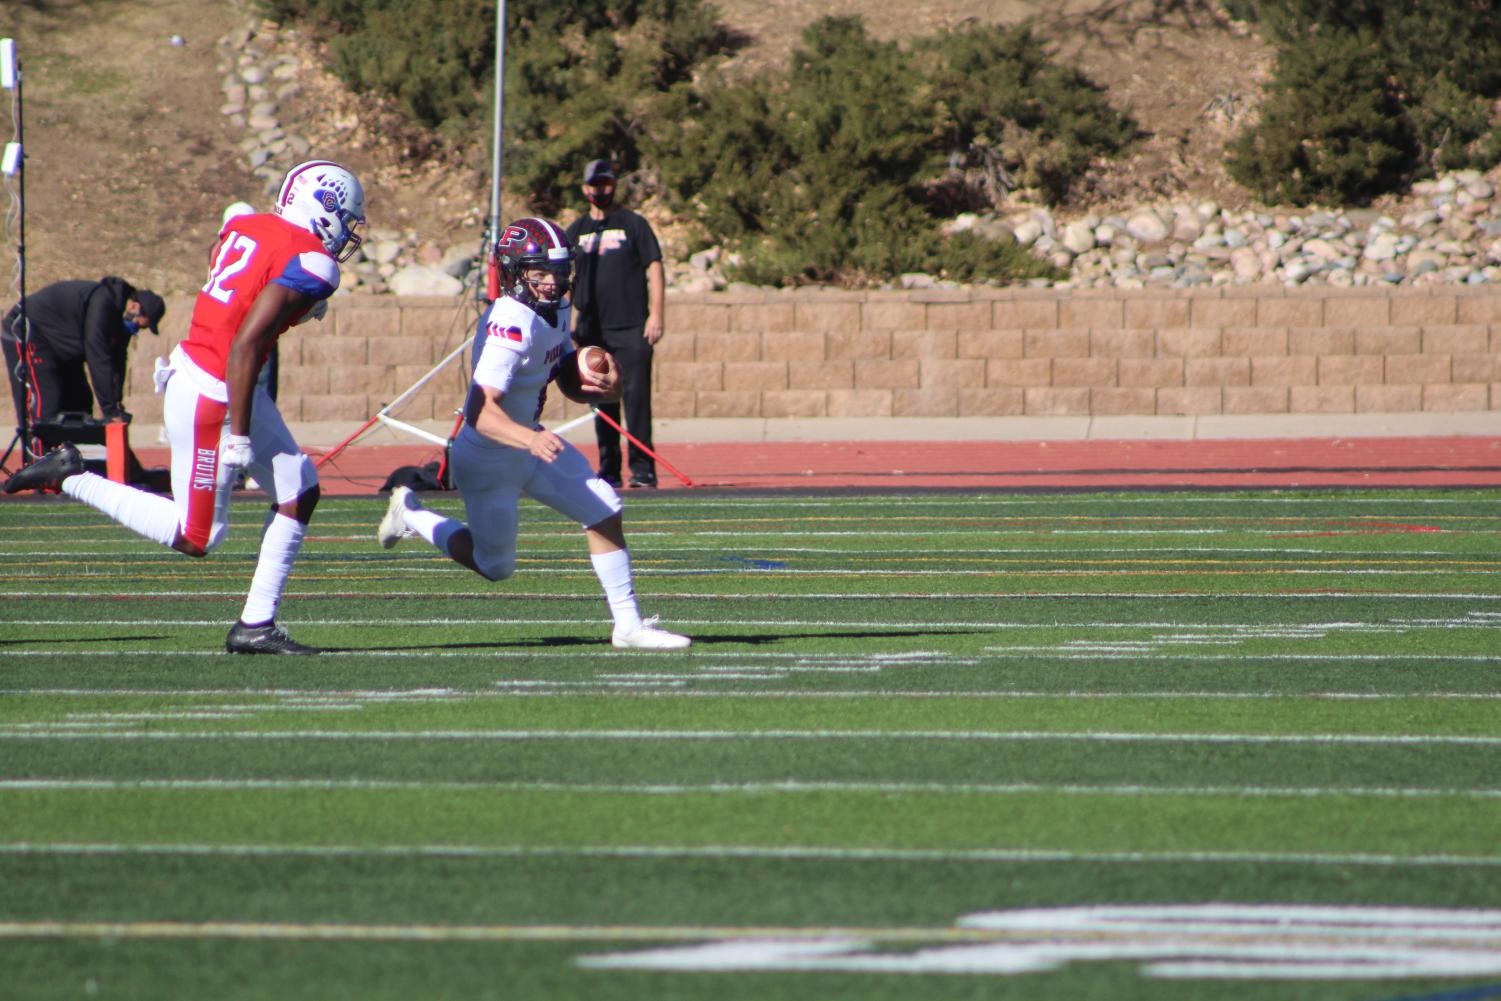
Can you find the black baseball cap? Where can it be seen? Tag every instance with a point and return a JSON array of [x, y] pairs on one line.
[[152, 308], [598, 170]]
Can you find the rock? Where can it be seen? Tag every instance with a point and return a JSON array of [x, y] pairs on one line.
[[1187, 227], [459, 259], [1078, 237], [1382, 248], [382, 251], [997, 230], [1423, 261], [961, 223], [1027, 232], [1246, 263], [697, 284], [916, 280], [1147, 226]]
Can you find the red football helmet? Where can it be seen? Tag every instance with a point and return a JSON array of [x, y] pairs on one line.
[[534, 243]]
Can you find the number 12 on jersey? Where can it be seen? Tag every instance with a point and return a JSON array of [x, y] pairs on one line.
[[226, 266]]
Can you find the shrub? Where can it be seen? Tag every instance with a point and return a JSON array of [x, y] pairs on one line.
[[1330, 128], [826, 172], [829, 171], [580, 77], [998, 89], [1432, 67]]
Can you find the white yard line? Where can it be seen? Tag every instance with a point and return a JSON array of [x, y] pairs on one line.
[[991, 653], [979, 736], [740, 788], [454, 694], [1474, 619], [778, 852], [446, 695], [498, 593]]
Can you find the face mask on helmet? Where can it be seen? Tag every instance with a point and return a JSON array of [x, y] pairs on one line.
[[545, 285], [328, 201]]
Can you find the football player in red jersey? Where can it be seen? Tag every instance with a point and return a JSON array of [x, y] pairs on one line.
[[268, 271], [502, 452]]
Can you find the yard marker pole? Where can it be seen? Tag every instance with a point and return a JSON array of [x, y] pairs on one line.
[[567, 426], [381, 414], [415, 432], [670, 467]]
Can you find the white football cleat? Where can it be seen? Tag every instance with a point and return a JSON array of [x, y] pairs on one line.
[[647, 636], [394, 525]]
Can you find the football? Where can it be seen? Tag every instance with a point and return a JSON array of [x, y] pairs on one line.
[[594, 360]]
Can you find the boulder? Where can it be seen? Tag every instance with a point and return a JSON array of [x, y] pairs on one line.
[[419, 279], [1147, 226]]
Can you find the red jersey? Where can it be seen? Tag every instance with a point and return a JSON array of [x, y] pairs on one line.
[[253, 251]]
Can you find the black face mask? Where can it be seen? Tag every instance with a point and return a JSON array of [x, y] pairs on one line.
[[601, 199]]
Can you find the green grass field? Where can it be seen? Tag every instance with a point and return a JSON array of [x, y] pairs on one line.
[[928, 746]]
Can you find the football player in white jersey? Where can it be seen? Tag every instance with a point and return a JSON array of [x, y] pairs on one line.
[[502, 452]]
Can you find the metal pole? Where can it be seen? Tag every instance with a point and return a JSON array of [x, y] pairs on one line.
[[500, 101]]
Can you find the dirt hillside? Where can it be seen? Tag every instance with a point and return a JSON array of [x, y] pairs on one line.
[[130, 159]]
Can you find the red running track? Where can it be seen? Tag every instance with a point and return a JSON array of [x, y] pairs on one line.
[[1006, 465], [1282, 463]]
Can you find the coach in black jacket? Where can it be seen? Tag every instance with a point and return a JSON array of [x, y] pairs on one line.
[[73, 325]]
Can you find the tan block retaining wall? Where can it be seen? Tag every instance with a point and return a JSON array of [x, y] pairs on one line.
[[940, 353]]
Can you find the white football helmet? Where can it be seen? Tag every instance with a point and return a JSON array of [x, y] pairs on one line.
[[328, 201]]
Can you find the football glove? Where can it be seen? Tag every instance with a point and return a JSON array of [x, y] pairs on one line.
[[234, 451]]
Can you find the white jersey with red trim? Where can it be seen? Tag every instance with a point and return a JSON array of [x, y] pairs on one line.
[[517, 352]]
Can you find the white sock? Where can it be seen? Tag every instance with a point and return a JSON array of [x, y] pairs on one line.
[[432, 526], [614, 573], [279, 545], [148, 515]]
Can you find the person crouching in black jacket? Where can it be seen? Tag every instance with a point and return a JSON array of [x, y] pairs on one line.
[[75, 325]]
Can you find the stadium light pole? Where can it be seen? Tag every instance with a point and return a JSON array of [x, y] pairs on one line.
[[496, 160]]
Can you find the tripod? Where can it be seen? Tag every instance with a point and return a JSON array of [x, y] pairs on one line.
[[10, 323]]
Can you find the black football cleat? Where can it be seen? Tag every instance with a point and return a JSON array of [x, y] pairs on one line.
[[48, 472], [269, 638], [646, 481]]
